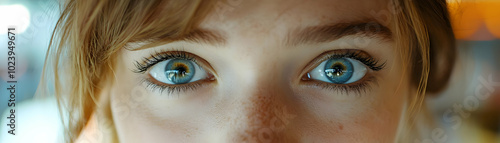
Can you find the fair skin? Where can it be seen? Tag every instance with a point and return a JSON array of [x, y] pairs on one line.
[[257, 92]]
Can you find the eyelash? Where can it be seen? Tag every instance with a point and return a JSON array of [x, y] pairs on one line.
[[146, 63], [357, 87], [170, 88], [372, 63]]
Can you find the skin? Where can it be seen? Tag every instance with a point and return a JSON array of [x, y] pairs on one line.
[[257, 94]]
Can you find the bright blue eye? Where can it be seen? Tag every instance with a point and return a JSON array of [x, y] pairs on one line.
[[177, 71], [339, 71]]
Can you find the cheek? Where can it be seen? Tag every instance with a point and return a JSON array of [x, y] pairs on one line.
[[141, 115], [373, 115], [358, 122], [382, 116], [131, 115]]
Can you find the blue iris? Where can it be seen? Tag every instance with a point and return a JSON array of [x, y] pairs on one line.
[[338, 70], [179, 71]]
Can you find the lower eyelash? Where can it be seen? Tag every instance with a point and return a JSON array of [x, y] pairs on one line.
[[359, 88], [170, 89]]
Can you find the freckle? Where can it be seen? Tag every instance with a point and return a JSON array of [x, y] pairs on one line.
[[341, 127]]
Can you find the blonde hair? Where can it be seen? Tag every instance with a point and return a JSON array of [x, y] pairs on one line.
[[426, 28], [89, 34]]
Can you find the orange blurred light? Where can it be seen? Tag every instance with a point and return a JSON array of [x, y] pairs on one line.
[[469, 19], [491, 14]]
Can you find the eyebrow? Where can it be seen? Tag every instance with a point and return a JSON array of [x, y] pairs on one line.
[[203, 36], [195, 36], [319, 34]]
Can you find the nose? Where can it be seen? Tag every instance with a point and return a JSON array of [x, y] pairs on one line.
[[268, 110]]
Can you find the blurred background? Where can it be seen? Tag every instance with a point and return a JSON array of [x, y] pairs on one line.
[[34, 21], [469, 109]]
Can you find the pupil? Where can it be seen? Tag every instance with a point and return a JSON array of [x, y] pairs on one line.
[[181, 71], [338, 69]]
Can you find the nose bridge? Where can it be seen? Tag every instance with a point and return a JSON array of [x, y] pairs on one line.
[[267, 107]]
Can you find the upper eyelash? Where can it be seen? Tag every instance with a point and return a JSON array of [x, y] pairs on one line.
[[372, 63], [146, 63]]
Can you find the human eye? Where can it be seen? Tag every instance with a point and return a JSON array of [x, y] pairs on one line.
[[344, 70], [174, 71]]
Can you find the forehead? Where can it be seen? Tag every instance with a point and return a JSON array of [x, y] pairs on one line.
[[272, 15]]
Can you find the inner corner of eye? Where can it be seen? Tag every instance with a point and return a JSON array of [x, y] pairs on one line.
[[306, 77]]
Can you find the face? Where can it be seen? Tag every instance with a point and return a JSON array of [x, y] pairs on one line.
[[266, 71]]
